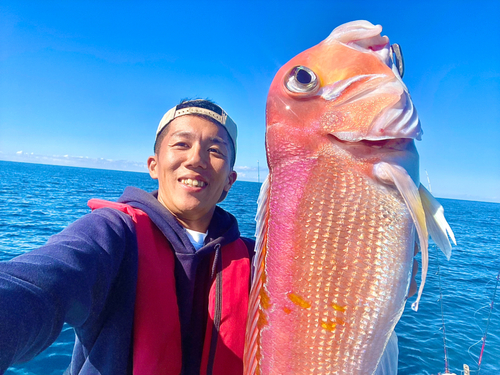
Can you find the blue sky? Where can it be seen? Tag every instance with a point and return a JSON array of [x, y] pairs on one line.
[[86, 83]]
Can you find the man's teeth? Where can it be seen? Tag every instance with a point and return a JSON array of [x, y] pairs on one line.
[[193, 183]]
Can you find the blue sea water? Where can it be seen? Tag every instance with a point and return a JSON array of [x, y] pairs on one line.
[[37, 201]]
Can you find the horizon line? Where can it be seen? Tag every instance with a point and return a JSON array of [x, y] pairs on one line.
[[123, 168]]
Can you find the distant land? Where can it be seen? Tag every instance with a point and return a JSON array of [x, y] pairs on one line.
[[75, 161]]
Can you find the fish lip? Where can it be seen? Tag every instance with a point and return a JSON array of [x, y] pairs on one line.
[[382, 144]]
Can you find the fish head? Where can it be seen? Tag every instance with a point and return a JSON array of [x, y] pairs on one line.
[[346, 90]]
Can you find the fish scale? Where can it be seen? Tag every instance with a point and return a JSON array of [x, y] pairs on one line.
[[334, 251]]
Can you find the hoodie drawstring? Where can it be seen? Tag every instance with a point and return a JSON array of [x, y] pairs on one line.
[[217, 273]]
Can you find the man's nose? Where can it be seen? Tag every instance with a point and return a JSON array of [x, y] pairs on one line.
[[197, 158]]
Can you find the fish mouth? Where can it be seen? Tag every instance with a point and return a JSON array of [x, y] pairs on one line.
[[388, 144], [398, 119]]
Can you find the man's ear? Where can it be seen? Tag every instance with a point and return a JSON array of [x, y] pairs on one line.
[[231, 179], [152, 165]]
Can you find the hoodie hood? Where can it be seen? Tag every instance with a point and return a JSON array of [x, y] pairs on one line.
[[223, 228]]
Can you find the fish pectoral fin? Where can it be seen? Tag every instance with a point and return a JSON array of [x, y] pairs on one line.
[[438, 227], [396, 175]]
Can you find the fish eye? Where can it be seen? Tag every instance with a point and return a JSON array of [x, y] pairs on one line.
[[301, 80]]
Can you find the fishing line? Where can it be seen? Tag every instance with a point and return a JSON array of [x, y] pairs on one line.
[[469, 350], [471, 355], [476, 319], [488, 324], [446, 369]]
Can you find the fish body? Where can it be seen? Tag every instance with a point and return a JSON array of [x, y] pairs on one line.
[[340, 212]]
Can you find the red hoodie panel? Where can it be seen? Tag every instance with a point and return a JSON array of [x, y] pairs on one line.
[[235, 290], [157, 333]]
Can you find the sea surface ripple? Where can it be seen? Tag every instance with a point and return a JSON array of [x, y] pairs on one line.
[[37, 201]]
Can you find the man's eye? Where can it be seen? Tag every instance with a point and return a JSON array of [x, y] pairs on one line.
[[180, 144], [216, 150]]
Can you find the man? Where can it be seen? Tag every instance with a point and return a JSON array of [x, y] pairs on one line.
[[153, 284]]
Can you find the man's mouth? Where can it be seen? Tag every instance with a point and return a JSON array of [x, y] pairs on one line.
[[193, 183]]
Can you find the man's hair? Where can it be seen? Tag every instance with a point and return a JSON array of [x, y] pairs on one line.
[[200, 103]]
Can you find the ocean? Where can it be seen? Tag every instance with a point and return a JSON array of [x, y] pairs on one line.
[[37, 201]]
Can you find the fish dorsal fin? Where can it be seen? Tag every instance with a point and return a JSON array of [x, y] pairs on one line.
[[362, 33], [396, 175], [262, 213], [439, 229], [250, 357]]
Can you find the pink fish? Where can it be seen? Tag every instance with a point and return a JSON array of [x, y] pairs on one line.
[[340, 212]]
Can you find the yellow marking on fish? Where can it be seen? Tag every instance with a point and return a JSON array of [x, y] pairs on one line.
[[287, 310], [338, 307], [329, 326], [265, 301], [262, 320], [299, 301]]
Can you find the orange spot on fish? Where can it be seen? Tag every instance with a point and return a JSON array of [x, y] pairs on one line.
[[338, 307], [287, 310], [329, 326], [299, 301]]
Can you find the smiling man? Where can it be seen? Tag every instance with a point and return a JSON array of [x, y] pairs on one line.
[[156, 283], [193, 162]]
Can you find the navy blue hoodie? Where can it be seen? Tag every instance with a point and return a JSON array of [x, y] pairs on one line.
[[86, 276]]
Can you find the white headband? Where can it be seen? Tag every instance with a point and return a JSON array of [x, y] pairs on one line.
[[223, 119]]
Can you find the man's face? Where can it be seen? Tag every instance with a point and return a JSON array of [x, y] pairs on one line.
[[192, 168]]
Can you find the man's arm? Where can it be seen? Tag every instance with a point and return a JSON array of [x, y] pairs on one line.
[[66, 280]]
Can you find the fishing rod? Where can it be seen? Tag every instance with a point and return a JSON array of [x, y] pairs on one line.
[[258, 172]]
